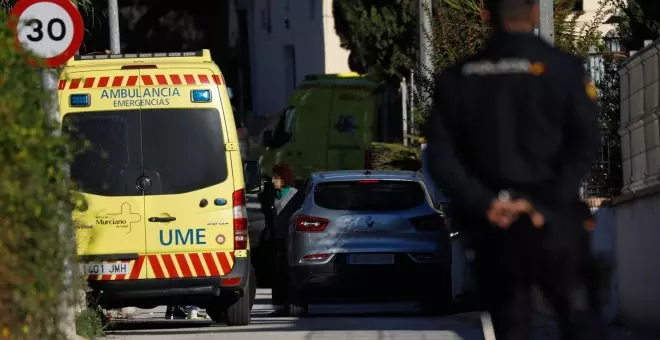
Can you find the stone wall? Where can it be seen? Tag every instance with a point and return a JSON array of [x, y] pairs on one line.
[[640, 132], [637, 211]]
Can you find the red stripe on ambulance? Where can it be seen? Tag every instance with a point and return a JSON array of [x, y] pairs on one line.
[[117, 81], [204, 79], [103, 81], [132, 80], [144, 80], [74, 84], [137, 268], [183, 264], [161, 79], [197, 264], [89, 82], [169, 265]]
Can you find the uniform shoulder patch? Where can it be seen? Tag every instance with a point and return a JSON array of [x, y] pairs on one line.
[[592, 92]]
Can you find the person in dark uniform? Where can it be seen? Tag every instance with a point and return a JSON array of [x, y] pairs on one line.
[[512, 134]]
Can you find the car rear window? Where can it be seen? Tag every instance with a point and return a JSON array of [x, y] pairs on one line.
[[372, 195], [180, 150]]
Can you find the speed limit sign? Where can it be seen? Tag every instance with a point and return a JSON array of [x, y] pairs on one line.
[[50, 29]]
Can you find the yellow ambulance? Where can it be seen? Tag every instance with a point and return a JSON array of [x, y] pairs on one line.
[[329, 124], [164, 221]]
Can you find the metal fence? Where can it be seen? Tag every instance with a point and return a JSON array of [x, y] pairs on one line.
[[604, 179]]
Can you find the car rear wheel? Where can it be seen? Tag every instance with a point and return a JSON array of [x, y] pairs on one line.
[[297, 305], [238, 312], [438, 299]]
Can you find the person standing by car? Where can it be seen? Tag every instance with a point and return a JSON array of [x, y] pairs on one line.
[[283, 193], [513, 132]]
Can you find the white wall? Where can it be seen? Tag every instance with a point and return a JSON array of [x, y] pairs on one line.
[[590, 8], [638, 209], [640, 131], [311, 32]]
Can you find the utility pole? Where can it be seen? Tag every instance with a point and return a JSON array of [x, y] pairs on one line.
[[113, 17], [546, 27], [425, 47], [425, 61]]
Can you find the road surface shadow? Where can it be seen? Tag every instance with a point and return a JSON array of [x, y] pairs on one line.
[[315, 324]]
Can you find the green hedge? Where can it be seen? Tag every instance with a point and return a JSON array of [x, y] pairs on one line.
[[35, 195], [396, 157]]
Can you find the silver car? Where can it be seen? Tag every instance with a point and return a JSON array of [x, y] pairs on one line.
[[368, 236]]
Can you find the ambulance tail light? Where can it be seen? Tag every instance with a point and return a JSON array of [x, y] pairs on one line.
[[240, 220], [138, 67]]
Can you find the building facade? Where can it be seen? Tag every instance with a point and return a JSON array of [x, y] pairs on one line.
[[288, 39], [592, 9]]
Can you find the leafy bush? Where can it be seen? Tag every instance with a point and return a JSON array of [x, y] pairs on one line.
[[89, 323], [35, 202], [396, 157], [458, 30]]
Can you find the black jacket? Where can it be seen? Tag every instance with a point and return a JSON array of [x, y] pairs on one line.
[[518, 115]]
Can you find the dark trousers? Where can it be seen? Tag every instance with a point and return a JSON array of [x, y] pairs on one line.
[[509, 263]]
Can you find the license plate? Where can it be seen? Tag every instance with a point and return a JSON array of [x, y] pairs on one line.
[[105, 268], [371, 259]]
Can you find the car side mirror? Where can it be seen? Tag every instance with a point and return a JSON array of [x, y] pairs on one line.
[[252, 173], [230, 92], [267, 138]]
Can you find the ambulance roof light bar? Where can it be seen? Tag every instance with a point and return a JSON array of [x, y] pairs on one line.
[[138, 55], [141, 55]]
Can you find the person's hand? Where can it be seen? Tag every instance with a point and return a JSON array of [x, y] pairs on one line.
[[538, 220], [503, 213]]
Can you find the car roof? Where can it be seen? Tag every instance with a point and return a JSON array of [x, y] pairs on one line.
[[356, 175]]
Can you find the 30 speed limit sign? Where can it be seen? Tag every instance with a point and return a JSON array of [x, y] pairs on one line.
[[50, 29]]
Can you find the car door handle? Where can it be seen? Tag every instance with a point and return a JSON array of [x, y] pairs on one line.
[[162, 219]]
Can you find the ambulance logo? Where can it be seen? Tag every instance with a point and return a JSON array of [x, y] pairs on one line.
[[346, 124], [121, 220]]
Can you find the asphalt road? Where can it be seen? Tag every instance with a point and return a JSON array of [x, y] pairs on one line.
[[342, 322]]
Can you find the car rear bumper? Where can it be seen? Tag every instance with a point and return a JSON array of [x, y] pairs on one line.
[[185, 291], [337, 279]]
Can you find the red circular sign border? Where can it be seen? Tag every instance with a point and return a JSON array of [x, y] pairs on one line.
[[78, 28]]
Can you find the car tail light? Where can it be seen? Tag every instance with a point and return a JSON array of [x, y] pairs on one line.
[[368, 181], [315, 257], [311, 223], [240, 220], [368, 159], [433, 222]]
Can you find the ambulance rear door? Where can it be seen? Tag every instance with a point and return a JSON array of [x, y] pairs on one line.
[[191, 154], [110, 226]]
